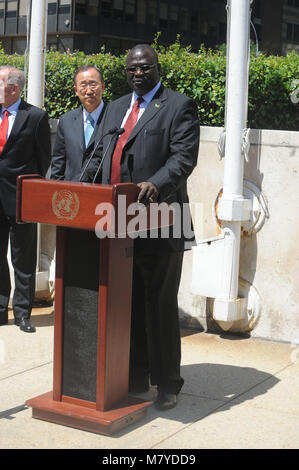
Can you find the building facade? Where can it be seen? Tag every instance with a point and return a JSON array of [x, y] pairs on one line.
[[88, 25]]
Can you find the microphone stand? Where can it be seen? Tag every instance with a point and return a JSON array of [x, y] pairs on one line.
[[116, 132], [111, 131]]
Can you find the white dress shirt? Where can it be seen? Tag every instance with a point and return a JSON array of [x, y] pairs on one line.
[[95, 114], [13, 109], [146, 100]]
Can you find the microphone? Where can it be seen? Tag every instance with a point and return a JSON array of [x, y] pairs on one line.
[[114, 130]]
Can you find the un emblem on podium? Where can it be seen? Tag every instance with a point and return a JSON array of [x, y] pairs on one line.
[[65, 204]]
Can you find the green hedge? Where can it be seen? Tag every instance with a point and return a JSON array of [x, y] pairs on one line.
[[200, 76]]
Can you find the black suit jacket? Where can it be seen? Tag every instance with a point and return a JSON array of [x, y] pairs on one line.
[[26, 151], [70, 152], [162, 149]]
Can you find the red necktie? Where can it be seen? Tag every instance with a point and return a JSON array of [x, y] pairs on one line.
[[129, 126], [3, 130]]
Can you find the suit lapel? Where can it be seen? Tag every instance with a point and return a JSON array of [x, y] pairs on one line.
[[78, 129], [122, 109], [115, 120], [154, 107], [20, 119]]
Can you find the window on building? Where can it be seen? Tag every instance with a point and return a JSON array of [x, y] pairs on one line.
[[173, 14], [64, 6], [293, 32], [93, 8], [52, 7], [11, 9], [222, 32], [257, 9], [163, 21], [18, 46], [2, 6], [293, 3], [23, 7], [184, 19], [152, 12], [213, 29], [141, 11], [118, 8], [204, 28], [194, 20], [106, 8], [80, 7], [130, 10]]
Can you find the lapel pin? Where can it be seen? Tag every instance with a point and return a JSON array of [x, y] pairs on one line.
[[157, 105]]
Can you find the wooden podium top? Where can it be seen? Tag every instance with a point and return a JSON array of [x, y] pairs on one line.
[[107, 208]]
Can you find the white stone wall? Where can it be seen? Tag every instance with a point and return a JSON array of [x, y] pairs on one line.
[[269, 261]]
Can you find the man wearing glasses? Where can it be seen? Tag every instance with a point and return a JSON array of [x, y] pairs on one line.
[[77, 128], [157, 151]]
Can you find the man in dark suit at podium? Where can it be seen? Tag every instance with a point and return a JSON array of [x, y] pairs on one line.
[[157, 151], [25, 148], [77, 128]]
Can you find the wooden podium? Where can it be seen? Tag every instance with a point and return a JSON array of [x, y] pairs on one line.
[[92, 302]]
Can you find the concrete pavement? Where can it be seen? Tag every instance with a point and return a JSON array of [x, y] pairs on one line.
[[239, 393]]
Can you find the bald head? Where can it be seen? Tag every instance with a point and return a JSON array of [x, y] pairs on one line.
[[141, 49]]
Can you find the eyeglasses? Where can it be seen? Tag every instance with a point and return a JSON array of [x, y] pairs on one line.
[[143, 68], [92, 86]]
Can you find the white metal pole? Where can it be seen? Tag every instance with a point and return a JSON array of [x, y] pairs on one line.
[[36, 67], [37, 51], [233, 208], [236, 117], [237, 93]]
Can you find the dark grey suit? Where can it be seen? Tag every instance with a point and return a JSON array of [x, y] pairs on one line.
[[70, 152], [27, 151], [162, 149]]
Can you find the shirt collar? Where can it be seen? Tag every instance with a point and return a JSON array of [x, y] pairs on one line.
[[95, 113], [13, 109], [148, 96]]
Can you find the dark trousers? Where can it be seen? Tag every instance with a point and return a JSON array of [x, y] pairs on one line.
[[155, 332], [23, 244]]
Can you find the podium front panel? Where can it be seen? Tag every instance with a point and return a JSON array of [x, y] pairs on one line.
[[80, 321]]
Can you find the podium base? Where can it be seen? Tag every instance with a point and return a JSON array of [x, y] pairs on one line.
[[87, 418]]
